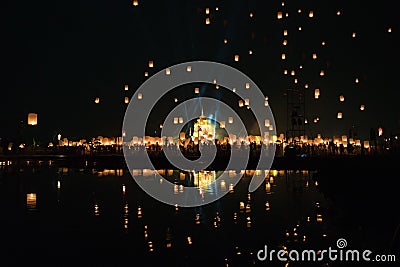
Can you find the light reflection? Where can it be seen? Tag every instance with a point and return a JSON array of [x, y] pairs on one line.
[[31, 201]]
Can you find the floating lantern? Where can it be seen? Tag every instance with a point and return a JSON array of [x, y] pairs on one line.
[[292, 73], [97, 100], [146, 74], [225, 41], [139, 96], [207, 21], [353, 35], [299, 11], [250, 52], [216, 86], [167, 71], [283, 56], [311, 14], [317, 93], [189, 68], [251, 14], [285, 32], [357, 80], [266, 123], [126, 100], [182, 136], [175, 99], [285, 72], [241, 103], [299, 28], [389, 30], [236, 58], [314, 56], [306, 85], [322, 73], [295, 80], [135, 2], [285, 42], [338, 13], [31, 201], [126, 87], [301, 66], [180, 120], [268, 188], [222, 124], [366, 144], [216, 8], [362, 107], [340, 115], [247, 101], [341, 98], [196, 90], [230, 120], [207, 10], [32, 119], [266, 103], [176, 120], [247, 85], [323, 43], [279, 15], [287, 15], [151, 63]]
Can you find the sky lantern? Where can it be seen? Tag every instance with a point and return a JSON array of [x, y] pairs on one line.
[[236, 58], [247, 101], [306, 85], [380, 131], [285, 72], [189, 68], [283, 56], [196, 90], [225, 41], [175, 99], [151, 63], [362, 107], [176, 120], [32, 119], [267, 123], [207, 10], [340, 115], [389, 30], [299, 11], [314, 55], [317, 93], [292, 73], [207, 21], [341, 98], [251, 14], [241, 103], [250, 52], [216, 8], [167, 71], [126, 87], [247, 85], [299, 28], [285, 32], [311, 14], [135, 2], [230, 120], [126, 100], [322, 73], [283, 3], [279, 15], [222, 124], [353, 35], [180, 119], [285, 42], [357, 80], [338, 13], [139, 96], [323, 43], [146, 74], [97, 100]]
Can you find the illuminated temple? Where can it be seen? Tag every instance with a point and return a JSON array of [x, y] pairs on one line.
[[203, 128]]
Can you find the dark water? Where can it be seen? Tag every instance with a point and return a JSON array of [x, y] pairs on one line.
[[53, 214]]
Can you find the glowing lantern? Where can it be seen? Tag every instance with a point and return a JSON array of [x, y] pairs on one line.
[[266, 123], [222, 124], [196, 90], [182, 136], [146, 74], [32, 119], [306, 85], [247, 85], [180, 120], [299, 28], [167, 71], [353, 35], [230, 120], [341, 98], [283, 3], [266, 103], [31, 201], [314, 56], [250, 52], [380, 131], [97, 100], [151, 64], [285, 72], [135, 2], [299, 11], [389, 30], [176, 120], [283, 56], [126, 87], [362, 107], [279, 15], [236, 58], [292, 73], [207, 21], [323, 43], [357, 80], [207, 10], [126, 100], [317, 93], [301, 66], [139, 96], [340, 115], [338, 13], [285, 32], [287, 15], [240, 103], [285, 42], [366, 144], [311, 14], [251, 14], [216, 8], [322, 73], [247, 101], [295, 80], [175, 99], [189, 68], [225, 41]]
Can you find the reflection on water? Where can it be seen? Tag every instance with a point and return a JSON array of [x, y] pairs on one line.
[[105, 209]]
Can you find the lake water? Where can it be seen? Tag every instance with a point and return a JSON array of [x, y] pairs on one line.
[[55, 214]]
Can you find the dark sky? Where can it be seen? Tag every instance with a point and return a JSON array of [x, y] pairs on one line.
[[58, 56]]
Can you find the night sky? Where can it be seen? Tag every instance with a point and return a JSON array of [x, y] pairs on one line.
[[58, 56]]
